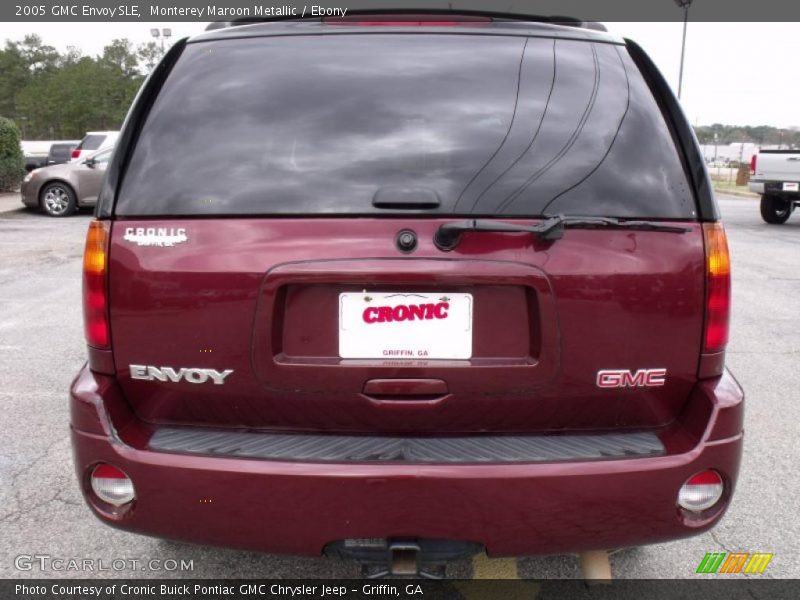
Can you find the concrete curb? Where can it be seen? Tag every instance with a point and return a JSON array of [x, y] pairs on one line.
[[736, 193]]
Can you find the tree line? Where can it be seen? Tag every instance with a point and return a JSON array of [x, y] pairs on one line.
[[763, 135], [55, 95]]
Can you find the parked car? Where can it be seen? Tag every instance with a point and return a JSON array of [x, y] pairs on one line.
[[413, 290], [775, 175], [60, 153], [94, 141], [60, 189]]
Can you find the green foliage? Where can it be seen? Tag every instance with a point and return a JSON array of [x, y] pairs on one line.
[[12, 163], [149, 54], [16, 74], [764, 135], [62, 96]]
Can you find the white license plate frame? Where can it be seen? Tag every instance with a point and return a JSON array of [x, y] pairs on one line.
[[405, 326]]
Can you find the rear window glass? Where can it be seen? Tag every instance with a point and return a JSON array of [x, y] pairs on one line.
[[92, 142], [485, 125]]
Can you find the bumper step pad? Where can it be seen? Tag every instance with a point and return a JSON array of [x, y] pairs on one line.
[[383, 449]]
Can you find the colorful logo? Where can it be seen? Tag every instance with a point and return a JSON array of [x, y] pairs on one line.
[[734, 562]]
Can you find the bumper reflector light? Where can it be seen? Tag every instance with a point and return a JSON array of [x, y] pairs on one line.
[[112, 485], [701, 491]]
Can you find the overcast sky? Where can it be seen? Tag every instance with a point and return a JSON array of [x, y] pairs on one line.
[[735, 73]]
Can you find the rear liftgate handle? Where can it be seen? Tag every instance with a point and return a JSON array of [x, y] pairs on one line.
[[400, 392]]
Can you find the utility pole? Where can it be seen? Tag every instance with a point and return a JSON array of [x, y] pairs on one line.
[[684, 4]]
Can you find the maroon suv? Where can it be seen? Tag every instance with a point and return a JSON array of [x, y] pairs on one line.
[[433, 282]]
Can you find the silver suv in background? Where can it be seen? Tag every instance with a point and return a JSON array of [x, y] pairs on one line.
[[94, 141]]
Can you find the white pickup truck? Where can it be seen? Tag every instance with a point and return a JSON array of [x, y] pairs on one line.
[[775, 174]]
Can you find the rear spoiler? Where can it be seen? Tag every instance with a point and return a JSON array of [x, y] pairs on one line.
[[420, 14]]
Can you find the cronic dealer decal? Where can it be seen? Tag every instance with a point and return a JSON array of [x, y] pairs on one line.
[[155, 236]]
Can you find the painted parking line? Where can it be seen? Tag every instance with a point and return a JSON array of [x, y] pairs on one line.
[[484, 567]]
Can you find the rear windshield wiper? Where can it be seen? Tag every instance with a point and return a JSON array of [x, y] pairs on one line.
[[448, 236]]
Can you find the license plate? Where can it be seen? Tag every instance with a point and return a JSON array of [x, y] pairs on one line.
[[405, 326], [791, 186]]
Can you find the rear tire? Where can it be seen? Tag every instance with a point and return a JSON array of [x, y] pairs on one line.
[[775, 210], [58, 199]]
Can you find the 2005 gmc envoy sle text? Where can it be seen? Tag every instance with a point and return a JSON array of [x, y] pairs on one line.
[[428, 285]]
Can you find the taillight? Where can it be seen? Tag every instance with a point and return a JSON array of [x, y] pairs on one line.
[[718, 288], [76, 153], [95, 295], [753, 164]]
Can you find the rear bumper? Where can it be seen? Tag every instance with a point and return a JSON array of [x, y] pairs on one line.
[[771, 187], [756, 187], [512, 509]]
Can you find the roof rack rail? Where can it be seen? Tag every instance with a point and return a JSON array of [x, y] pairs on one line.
[[383, 12]]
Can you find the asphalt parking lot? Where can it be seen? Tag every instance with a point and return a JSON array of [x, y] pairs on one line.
[[41, 349]]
